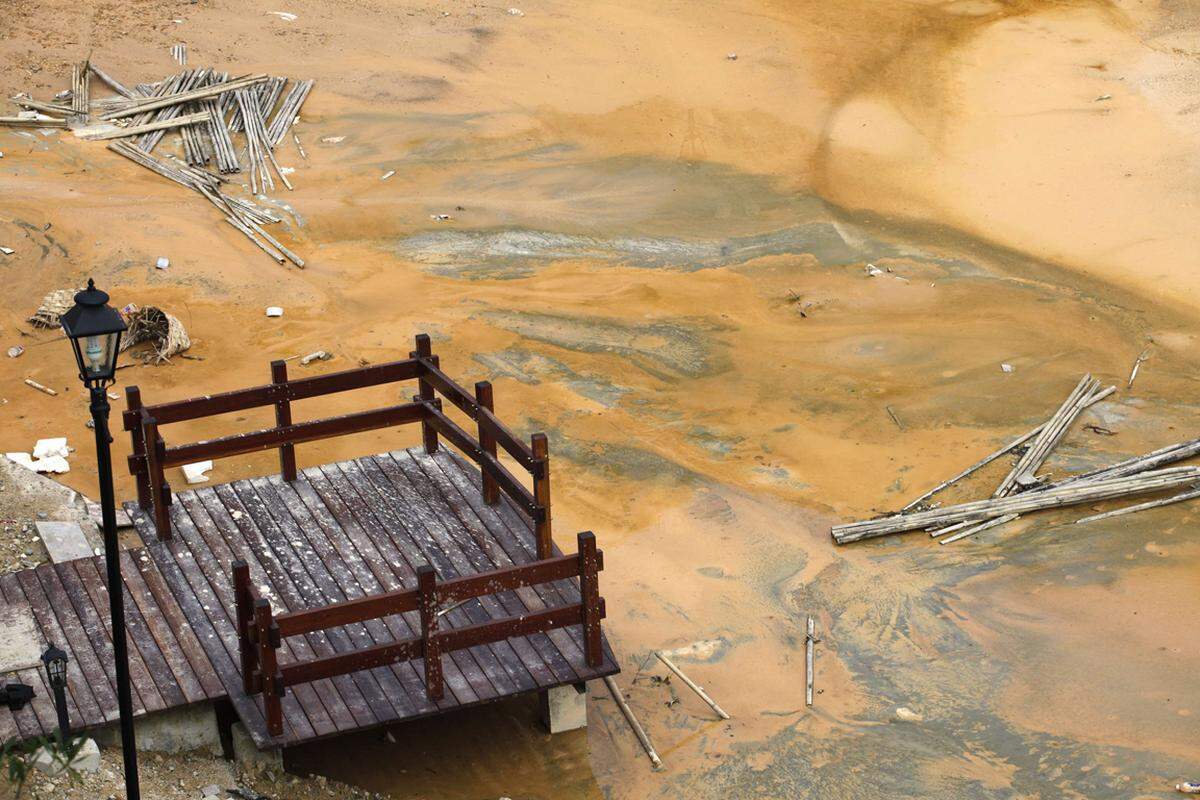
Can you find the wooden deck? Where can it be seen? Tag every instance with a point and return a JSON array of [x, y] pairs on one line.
[[348, 530], [336, 598]]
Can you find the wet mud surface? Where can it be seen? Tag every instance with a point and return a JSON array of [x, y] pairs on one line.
[[659, 256]]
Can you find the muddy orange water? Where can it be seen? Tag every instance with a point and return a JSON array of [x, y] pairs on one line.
[[658, 252]]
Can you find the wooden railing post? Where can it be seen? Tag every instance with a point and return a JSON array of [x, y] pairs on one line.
[[272, 680], [425, 393], [133, 402], [541, 493], [483, 396], [589, 598], [159, 491], [244, 606], [427, 585], [283, 418]]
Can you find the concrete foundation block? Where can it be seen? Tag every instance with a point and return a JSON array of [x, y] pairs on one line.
[[246, 755], [86, 761], [177, 730], [564, 708]]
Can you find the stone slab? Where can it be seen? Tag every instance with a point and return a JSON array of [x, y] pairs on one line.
[[65, 541], [21, 644]]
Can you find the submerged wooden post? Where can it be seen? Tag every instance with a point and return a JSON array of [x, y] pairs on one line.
[[244, 606], [427, 586], [541, 493], [133, 402], [483, 396], [589, 598], [272, 681], [425, 394], [283, 419]]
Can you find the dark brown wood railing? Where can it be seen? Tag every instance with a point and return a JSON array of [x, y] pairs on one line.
[[261, 632], [151, 455]]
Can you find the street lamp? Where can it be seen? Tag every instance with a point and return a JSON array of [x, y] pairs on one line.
[[56, 673], [95, 332]]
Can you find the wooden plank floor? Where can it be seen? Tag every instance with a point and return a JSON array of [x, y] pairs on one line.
[[342, 531]]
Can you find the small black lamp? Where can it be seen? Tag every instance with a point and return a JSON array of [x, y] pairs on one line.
[[94, 329], [56, 675]]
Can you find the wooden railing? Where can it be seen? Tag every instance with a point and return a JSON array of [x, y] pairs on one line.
[[261, 632], [151, 456]]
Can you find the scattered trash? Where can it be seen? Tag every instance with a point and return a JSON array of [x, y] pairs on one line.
[[163, 262], [731, 57], [1006, 368], [440, 217], [516, 12], [195, 473], [388, 174], [54, 464], [1188, 787], [699, 690], [333, 139], [164, 332], [906, 714], [873, 271], [43, 389], [54, 305], [274, 311], [49, 448], [1102, 97], [287, 16], [8, 251], [15, 351], [319, 355]]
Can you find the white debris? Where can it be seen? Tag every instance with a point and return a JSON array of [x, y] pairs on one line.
[[8, 251], [1188, 787], [516, 12], [48, 448], [54, 464], [388, 174], [1006, 367], [906, 714], [274, 311], [731, 56], [163, 262], [286, 16], [195, 473], [1102, 98], [286, 170], [333, 139], [319, 355], [873, 271], [440, 217], [15, 351]]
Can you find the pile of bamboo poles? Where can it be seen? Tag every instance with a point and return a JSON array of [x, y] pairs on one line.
[[1022, 492], [206, 108]]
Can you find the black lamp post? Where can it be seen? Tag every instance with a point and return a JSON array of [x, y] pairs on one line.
[[56, 673], [95, 332]]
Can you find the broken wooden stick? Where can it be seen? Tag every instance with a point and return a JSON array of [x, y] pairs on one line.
[[699, 690], [40, 387], [638, 730], [983, 526], [1136, 366]]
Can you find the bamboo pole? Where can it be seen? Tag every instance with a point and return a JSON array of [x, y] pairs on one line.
[[980, 510], [112, 82], [123, 133], [638, 730], [43, 389], [185, 96], [810, 643], [699, 690], [983, 526], [1179, 498], [32, 122], [1047, 439]]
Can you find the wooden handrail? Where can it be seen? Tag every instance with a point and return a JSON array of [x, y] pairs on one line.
[[151, 456], [260, 633]]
